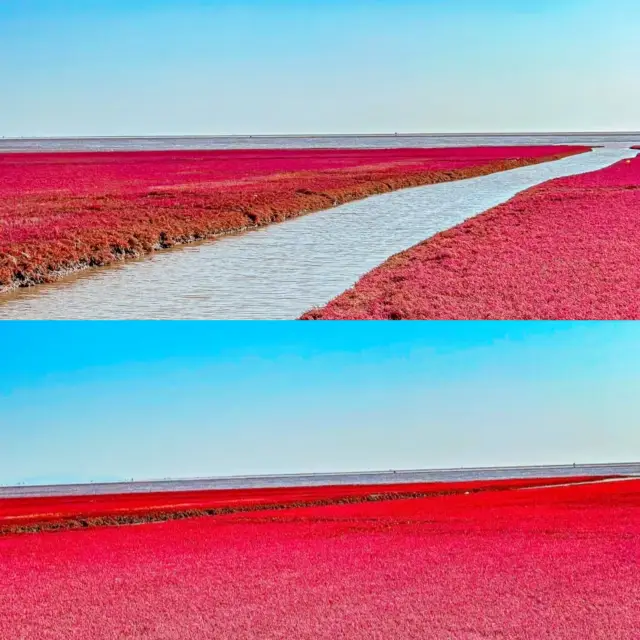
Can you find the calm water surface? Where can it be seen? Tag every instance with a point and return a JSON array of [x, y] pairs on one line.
[[283, 270], [320, 479]]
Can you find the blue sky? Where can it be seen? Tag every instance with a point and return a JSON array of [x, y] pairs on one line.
[[134, 67], [97, 401]]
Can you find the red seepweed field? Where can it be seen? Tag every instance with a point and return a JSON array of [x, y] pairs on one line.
[[526, 563], [61, 212], [566, 249], [29, 514]]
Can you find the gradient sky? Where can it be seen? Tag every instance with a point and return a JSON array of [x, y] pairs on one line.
[[106, 401], [147, 67]]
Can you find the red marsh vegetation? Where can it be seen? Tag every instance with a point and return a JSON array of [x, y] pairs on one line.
[[528, 564], [60, 212], [31, 514], [566, 249]]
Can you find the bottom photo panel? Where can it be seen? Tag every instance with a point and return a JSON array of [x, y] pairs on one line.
[[419, 480]]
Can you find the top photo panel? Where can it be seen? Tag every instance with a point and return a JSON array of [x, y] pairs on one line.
[[282, 160]]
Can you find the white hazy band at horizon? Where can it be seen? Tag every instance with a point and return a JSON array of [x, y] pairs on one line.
[[311, 141], [629, 469], [282, 270]]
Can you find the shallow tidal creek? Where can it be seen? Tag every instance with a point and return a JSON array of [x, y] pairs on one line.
[[283, 270]]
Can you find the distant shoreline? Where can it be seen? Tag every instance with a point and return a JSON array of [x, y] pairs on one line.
[[297, 136], [388, 476]]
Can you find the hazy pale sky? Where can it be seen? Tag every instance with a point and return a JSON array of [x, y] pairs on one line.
[[97, 401], [146, 67]]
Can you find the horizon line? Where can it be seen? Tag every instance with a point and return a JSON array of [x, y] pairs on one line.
[[321, 135], [318, 474]]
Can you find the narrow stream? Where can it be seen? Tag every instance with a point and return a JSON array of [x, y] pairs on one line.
[[281, 271]]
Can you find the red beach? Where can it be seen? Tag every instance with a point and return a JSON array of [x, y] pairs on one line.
[[61, 212], [525, 563], [568, 249], [29, 514]]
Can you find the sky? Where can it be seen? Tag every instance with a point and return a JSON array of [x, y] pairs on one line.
[[94, 401], [207, 67]]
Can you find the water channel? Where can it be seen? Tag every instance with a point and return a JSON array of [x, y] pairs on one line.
[[281, 271]]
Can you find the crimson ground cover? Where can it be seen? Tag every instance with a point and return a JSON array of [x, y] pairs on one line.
[[31, 514], [63, 211], [518, 509], [566, 249], [454, 567]]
